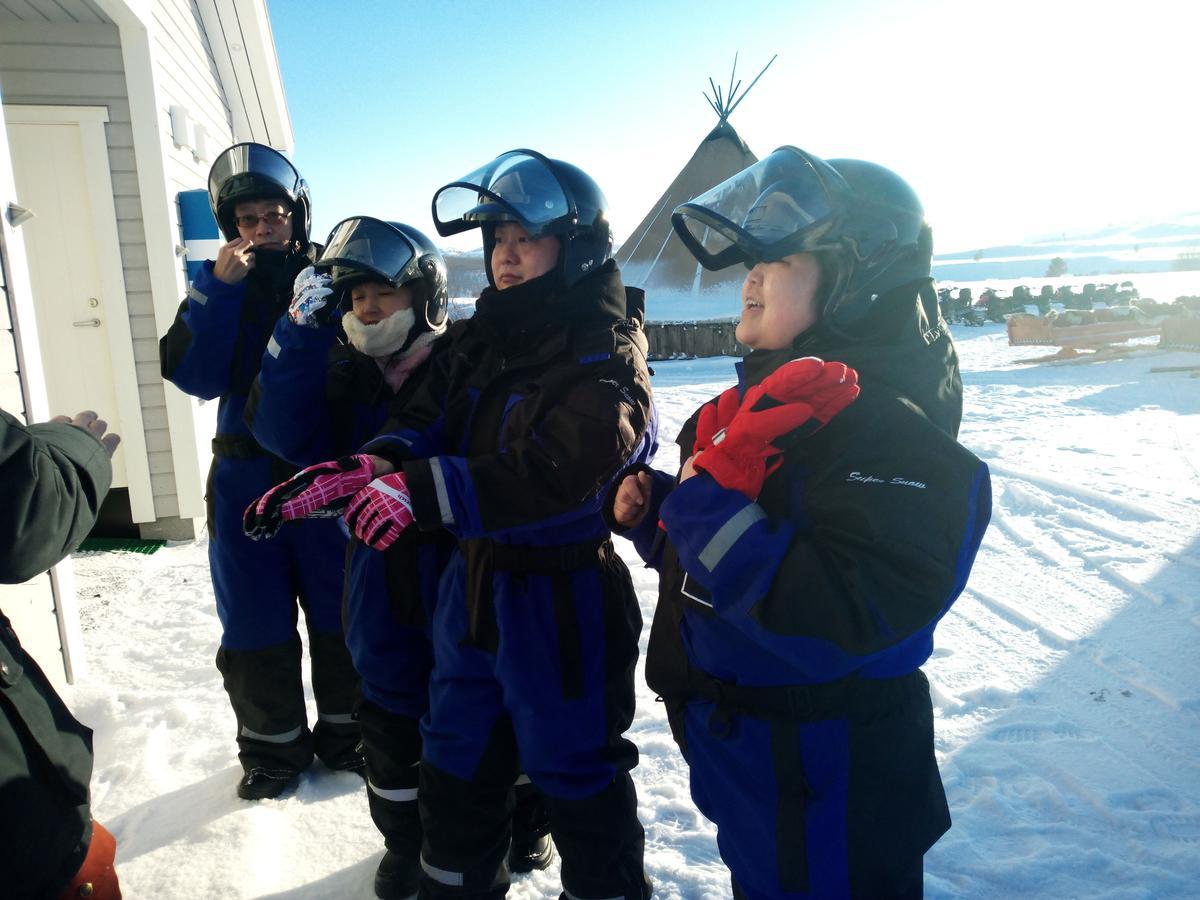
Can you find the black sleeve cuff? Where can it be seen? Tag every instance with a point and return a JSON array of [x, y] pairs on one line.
[[422, 489]]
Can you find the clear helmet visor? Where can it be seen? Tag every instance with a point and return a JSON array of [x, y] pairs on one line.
[[256, 160], [517, 186], [369, 246], [784, 203]]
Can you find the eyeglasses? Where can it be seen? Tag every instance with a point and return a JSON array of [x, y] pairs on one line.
[[273, 218]]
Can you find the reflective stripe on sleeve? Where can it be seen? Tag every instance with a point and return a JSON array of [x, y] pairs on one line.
[[443, 495], [273, 347], [197, 296], [729, 534], [337, 718]]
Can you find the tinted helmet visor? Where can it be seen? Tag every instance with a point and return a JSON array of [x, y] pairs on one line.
[[370, 248], [788, 202], [518, 186], [261, 163]]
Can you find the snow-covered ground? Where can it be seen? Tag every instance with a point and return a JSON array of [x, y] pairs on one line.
[[1066, 679]]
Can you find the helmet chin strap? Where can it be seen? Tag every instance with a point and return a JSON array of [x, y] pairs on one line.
[[384, 337]]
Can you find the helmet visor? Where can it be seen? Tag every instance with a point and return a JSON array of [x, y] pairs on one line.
[[256, 160], [370, 247], [788, 202], [518, 186]]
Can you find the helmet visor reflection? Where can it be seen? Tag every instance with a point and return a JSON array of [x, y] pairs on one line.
[[785, 203], [370, 246], [517, 186], [253, 159]]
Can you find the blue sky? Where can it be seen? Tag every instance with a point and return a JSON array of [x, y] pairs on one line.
[[1011, 119]]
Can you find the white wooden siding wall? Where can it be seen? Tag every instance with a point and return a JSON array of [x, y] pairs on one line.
[[185, 75], [65, 63], [71, 63]]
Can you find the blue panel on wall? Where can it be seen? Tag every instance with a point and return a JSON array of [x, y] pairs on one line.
[[201, 236]]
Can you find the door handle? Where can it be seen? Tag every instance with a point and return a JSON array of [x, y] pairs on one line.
[[87, 323]]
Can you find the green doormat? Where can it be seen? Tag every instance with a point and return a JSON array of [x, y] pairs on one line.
[[129, 545]]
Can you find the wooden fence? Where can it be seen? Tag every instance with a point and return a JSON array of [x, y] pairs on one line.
[[686, 340]]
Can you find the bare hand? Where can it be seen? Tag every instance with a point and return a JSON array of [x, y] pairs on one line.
[[632, 500], [93, 425], [687, 471], [234, 261], [381, 465]]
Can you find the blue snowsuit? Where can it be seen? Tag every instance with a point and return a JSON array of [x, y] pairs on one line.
[[317, 398], [532, 408], [789, 631], [214, 349]]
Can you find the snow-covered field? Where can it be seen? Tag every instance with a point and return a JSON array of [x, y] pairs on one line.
[[1066, 679]]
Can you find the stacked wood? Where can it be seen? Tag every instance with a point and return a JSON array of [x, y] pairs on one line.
[[690, 340]]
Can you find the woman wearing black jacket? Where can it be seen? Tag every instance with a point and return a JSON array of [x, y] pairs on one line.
[[815, 536], [533, 407]]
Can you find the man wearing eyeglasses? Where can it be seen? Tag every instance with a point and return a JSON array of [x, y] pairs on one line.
[[214, 349]]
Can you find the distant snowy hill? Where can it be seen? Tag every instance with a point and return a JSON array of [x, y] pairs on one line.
[[1113, 250]]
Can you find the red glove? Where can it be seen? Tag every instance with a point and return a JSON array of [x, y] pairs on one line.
[[381, 511], [715, 415], [801, 395], [319, 491]]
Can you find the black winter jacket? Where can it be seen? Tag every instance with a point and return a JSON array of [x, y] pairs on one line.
[[532, 407]]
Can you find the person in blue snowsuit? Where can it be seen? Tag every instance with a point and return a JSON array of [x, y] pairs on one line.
[[214, 349], [823, 521], [529, 412], [381, 285]]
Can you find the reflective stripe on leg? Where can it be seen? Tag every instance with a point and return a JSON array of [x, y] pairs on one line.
[[285, 737]]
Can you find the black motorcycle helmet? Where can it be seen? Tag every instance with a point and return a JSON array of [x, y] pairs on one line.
[[246, 172], [545, 196], [362, 249], [864, 223]]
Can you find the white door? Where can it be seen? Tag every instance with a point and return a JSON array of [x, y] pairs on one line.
[[72, 321]]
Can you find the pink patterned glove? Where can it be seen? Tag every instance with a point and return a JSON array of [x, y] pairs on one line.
[[320, 491], [381, 511]]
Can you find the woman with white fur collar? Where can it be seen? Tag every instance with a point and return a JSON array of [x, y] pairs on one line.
[[319, 397]]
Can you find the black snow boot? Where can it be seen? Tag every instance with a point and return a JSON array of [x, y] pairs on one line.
[[535, 852], [397, 877], [350, 759], [266, 784], [531, 846]]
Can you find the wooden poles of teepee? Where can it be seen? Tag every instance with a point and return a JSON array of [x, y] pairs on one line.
[[724, 105]]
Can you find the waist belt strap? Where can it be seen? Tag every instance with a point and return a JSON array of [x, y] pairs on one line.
[[484, 557], [800, 703], [241, 446], [236, 445]]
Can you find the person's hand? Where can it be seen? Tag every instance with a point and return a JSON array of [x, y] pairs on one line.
[[687, 470], [381, 511], [234, 260], [632, 499], [309, 306], [93, 425], [800, 396], [320, 491]]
